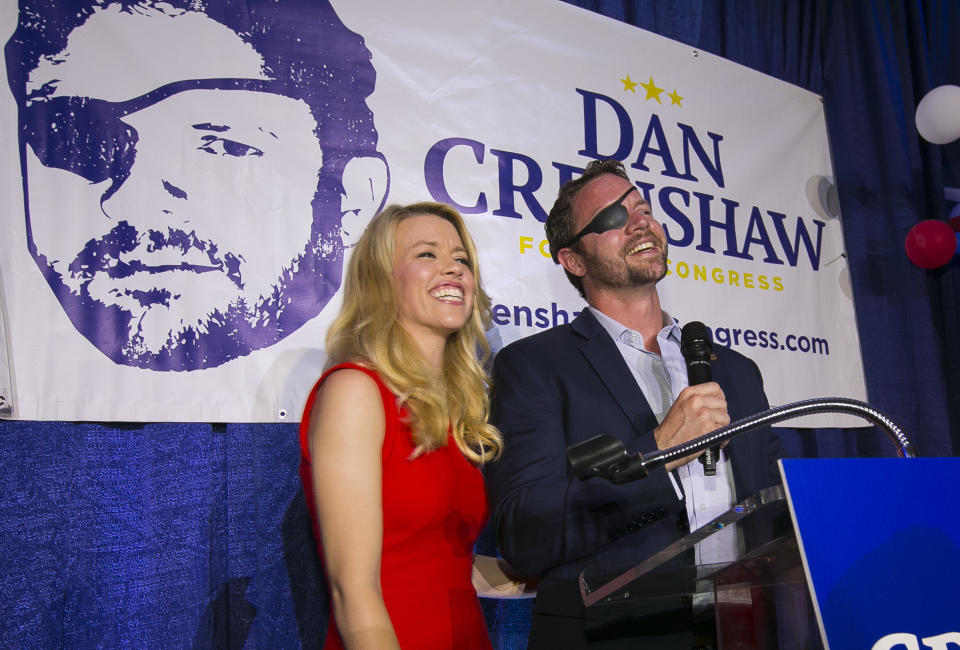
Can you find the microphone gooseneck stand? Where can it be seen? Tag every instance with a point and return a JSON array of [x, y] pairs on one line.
[[605, 455]]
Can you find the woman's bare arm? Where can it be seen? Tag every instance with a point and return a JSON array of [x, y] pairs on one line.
[[346, 438]]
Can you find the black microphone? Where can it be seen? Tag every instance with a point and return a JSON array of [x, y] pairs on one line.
[[697, 350]]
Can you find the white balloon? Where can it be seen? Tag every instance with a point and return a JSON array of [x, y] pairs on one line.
[[938, 115]]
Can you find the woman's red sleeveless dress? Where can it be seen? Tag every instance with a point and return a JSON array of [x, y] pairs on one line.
[[434, 506]]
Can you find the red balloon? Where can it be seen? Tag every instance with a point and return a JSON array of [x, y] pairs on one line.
[[954, 223], [930, 244]]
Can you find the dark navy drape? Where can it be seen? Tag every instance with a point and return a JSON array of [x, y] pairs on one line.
[[196, 535]]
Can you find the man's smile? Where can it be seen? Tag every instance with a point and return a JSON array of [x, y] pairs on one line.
[[641, 247]]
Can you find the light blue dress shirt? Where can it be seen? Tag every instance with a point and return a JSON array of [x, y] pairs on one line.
[[661, 377]]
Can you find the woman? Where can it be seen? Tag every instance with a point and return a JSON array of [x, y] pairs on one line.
[[392, 435]]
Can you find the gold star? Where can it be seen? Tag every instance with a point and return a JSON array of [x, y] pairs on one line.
[[675, 98], [629, 85], [652, 91]]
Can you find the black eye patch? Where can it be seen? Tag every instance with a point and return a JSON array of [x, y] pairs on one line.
[[609, 218]]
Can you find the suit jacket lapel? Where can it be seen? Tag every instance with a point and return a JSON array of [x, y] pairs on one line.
[[602, 354]]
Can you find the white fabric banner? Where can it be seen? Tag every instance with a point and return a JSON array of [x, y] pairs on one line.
[[182, 190]]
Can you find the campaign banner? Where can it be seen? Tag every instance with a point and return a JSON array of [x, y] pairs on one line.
[[184, 183]]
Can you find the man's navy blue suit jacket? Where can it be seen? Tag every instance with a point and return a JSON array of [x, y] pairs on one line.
[[566, 385]]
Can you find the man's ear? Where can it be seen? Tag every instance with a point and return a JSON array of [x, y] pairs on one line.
[[571, 262], [366, 181]]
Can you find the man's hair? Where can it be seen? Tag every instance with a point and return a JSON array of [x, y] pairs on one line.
[[367, 329], [561, 220]]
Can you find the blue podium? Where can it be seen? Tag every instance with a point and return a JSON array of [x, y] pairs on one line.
[[880, 543], [846, 554]]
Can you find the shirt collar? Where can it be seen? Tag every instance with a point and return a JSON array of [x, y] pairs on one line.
[[617, 330]]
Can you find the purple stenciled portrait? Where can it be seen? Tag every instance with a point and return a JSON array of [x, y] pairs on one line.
[[192, 172]]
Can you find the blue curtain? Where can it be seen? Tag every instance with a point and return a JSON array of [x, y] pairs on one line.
[[196, 535]]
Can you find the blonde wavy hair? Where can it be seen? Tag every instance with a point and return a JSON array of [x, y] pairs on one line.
[[367, 330]]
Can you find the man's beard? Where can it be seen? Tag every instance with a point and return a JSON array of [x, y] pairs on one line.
[[619, 273], [143, 328]]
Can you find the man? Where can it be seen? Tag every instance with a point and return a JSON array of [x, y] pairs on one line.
[[617, 370], [192, 172]]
